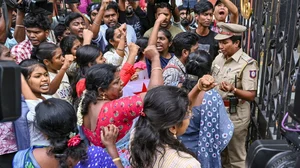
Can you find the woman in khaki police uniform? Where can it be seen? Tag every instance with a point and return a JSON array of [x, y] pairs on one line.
[[236, 74]]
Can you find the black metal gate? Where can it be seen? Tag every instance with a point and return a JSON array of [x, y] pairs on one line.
[[272, 39]]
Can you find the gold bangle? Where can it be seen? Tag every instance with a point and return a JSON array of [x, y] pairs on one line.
[[156, 68], [120, 49], [97, 24], [22, 26], [116, 159], [198, 85]]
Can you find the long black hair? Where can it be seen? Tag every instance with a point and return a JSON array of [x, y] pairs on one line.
[[142, 43], [85, 55], [57, 119], [98, 76], [67, 43], [45, 50], [199, 64], [29, 65], [167, 33], [152, 130], [109, 35]]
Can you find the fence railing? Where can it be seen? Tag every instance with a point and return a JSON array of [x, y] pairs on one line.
[[273, 40]]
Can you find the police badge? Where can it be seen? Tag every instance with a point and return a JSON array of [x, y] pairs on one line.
[[252, 73]]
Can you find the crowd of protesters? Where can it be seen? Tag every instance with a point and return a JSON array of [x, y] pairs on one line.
[[128, 84]]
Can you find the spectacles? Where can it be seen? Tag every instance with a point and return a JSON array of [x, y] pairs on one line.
[[189, 114]]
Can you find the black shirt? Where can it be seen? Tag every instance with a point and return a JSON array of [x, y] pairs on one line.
[[208, 43]]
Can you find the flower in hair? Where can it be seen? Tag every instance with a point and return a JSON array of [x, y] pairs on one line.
[[74, 141]]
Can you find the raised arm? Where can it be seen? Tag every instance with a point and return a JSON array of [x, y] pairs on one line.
[[109, 135], [87, 37], [234, 17], [204, 84], [156, 78], [97, 22], [151, 12], [74, 8], [128, 70], [141, 14], [175, 11], [26, 91], [19, 33], [154, 33], [55, 83], [3, 34], [121, 5], [121, 46]]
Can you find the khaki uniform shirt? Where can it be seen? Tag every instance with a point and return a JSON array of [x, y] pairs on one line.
[[240, 68]]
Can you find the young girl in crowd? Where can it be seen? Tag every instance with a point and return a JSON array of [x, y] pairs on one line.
[[116, 52], [57, 65], [34, 87], [69, 45], [86, 56], [162, 39], [140, 63], [56, 119], [86, 60], [210, 128]]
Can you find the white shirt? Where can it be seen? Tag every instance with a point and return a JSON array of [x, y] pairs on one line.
[[36, 137], [64, 90], [101, 39], [113, 58]]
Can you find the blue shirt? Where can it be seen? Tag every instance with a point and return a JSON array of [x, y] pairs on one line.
[[163, 62], [9, 43], [209, 131], [101, 41]]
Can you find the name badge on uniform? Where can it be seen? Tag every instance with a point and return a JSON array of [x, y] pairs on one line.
[[252, 73], [216, 70]]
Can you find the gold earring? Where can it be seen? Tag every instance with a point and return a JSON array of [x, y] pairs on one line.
[[103, 96], [175, 136]]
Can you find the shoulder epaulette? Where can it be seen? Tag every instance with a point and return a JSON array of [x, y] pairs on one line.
[[247, 58]]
